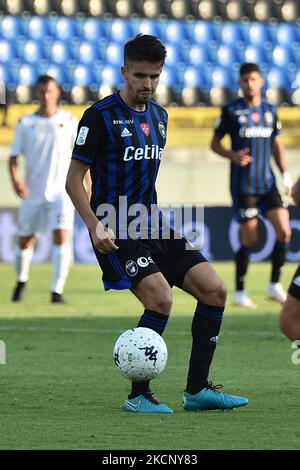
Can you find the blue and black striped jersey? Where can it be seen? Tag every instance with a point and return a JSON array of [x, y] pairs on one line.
[[253, 127], [123, 148]]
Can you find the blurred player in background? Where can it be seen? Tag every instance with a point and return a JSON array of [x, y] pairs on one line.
[[45, 138], [289, 320], [254, 129], [121, 138]]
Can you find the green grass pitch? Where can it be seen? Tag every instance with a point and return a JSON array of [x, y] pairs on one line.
[[59, 388]]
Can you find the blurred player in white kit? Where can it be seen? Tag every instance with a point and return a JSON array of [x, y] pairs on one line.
[[45, 138]]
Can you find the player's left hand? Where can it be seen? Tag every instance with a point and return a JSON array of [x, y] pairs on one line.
[[287, 182]]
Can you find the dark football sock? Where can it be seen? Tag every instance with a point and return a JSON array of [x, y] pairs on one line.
[[241, 265], [157, 322], [205, 329], [278, 259]]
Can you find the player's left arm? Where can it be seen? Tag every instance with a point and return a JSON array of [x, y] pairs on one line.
[[280, 159]]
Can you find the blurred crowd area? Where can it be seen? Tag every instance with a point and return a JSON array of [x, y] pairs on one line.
[[80, 43]]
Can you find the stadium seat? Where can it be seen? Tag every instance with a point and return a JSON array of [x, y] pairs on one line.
[[195, 87], [114, 54], [224, 77], [11, 27], [259, 34], [88, 53], [228, 56], [60, 53], [278, 78], [176, 55], [6, 74], [284, 57], [263, 10], [124, 8], [290, 11], [94, 30], [27, 74], [38, 28], [15, 7], [205, 33], [278, 86], [146, 26], [120, 30], [257, 55], [235, 10], [58, 73], [8, 51], [69, 7], [66, 29], [97, 8], [43, 7], [224, 86], [32, 52], [288, 35], [83, 75], [206, 10], [111, 75], [232, 34], [151, 8], [200, 56], [178, 9], [176, 32]]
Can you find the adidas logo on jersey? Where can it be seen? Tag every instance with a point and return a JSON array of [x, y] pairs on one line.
[[125, 132]]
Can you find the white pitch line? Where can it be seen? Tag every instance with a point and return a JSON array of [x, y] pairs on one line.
[[104, 331]]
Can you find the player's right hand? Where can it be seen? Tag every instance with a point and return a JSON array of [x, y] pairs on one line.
[[20, 188], [104, 239], [296, 193], [241, 157]]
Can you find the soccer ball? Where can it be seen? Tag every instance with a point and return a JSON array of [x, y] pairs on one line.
[[140, 354]]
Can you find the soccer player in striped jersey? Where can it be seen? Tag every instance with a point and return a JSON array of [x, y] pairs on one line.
[[121, 140], [289, 320], [254, 129]]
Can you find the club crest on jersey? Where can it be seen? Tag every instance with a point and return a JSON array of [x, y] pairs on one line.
[[145, 128], [162, 129], [255, 117], [131, 268]]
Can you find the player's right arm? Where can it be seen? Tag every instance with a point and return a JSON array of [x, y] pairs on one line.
[[239, 157], [103, 238], [84, 153], [18, 183]]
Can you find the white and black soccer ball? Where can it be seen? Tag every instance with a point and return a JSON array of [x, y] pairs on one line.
[[140, 354]]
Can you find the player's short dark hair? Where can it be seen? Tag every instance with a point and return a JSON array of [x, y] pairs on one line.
[[248, 68], [45, 79], [145, 47]]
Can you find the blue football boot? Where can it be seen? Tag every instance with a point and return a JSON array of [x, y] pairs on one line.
[[210, 398], [145, 404]]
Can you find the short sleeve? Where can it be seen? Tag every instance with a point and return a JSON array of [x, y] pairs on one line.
[[87, 141], [222, 126], [17, 145]]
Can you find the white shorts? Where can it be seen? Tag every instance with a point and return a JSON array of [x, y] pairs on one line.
[[35, 217]]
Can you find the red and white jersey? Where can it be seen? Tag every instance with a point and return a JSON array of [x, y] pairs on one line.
[[46, 143]]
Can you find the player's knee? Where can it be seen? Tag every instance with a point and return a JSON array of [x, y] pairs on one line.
[[221, 293], [285, 324], [163, 302], [284, 235]]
